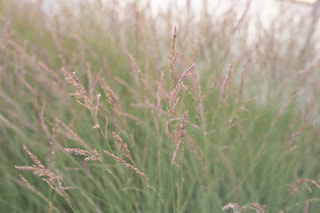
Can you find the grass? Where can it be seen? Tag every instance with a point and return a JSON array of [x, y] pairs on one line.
[[102, 111]]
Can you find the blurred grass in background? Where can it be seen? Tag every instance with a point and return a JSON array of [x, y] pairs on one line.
[[187, 121]]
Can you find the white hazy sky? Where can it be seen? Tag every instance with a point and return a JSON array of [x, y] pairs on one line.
[[264, 10]]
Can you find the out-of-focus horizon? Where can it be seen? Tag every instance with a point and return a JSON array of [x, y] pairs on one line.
[[261, 13]]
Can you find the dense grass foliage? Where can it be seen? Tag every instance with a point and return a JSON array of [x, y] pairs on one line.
[[105, 111]]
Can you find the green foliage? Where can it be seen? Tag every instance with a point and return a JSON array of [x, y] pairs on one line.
[[164, 136]]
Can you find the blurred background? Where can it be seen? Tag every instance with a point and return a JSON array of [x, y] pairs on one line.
[[260, 12]]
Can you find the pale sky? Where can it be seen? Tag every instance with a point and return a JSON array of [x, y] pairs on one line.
[[265, 10]]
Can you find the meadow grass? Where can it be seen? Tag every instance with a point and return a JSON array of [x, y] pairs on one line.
[[102, 111]]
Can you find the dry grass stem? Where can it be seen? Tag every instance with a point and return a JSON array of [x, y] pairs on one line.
[[135, 65], [90, 155], [114, 103], [53, 141], [106, 129], [197, 96], [96, 109], [306, 208], [241, 129], [167, 126], [159, 195], [128, 165], [123, 147], [59, 47], [173, 99], [244, 74], [225, 87], [112, 97], [295, 187], [160, 95], [80, 93], [182, 133], [90, 81], [35, 160], [51, 178], [233, 206], [303, 126], [173, 54], [136, 68], [133, 168], [50, 208], [238, 209], [44, 126]]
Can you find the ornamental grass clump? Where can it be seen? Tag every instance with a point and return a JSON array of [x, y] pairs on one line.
[[110, 111]]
